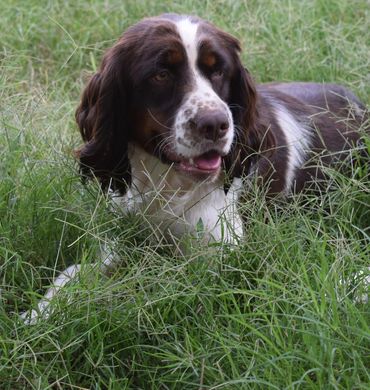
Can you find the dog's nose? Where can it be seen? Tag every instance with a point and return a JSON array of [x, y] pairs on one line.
[[213, 125]]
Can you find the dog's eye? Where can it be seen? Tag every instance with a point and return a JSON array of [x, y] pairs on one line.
[[163, 75], [217, 73]]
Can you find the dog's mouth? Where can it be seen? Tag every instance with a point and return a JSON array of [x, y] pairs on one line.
[[206, 163]]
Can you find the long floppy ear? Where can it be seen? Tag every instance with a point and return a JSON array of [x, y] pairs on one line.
[[103, 122], [251, 136]]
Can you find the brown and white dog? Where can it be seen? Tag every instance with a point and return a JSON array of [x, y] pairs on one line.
[[172, 116]]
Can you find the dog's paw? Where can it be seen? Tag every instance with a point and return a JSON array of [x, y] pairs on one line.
[[32, 317]]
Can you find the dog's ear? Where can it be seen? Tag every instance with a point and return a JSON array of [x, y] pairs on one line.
[[104, 123], [251, 136]]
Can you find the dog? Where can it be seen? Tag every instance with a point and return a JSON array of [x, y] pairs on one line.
[[173, 124], [173, 115]]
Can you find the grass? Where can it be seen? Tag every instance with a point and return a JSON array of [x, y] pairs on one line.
[[281, 311]]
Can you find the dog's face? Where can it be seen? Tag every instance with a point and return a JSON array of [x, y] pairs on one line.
[[173, 85], [180, 102]]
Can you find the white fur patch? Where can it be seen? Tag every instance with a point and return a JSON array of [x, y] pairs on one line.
[[298, 139], [188, 33], [43, 309]]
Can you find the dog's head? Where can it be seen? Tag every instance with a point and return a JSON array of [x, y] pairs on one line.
[[175, 86]]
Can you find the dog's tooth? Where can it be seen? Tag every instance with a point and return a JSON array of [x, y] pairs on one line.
[[191, 160]]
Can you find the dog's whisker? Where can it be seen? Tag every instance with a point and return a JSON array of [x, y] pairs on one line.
[[157, 121]]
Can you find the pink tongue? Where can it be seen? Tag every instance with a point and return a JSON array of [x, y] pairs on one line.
[[208, 161]]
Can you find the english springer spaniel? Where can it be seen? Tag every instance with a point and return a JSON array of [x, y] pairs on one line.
[[174, 124], [172, 116]]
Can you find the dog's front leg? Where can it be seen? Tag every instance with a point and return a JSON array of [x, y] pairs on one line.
[[43, 310]]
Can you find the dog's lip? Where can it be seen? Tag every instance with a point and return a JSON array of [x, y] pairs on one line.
[[207, 163]]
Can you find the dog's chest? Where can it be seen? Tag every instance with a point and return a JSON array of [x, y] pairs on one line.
[[175, 205]]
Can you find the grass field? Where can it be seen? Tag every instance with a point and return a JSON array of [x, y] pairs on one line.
[[278, 312]]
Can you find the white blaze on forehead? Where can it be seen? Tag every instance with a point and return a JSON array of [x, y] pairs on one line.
[[201, 95], [188, 33]]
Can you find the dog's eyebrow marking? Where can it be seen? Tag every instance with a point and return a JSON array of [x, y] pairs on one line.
[[174, 57], [209, 60]]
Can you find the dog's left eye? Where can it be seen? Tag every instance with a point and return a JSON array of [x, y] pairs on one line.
[[216, 74], [162, 76]]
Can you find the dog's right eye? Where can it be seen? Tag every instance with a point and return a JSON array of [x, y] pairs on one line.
[[162, 76], [217, 73]]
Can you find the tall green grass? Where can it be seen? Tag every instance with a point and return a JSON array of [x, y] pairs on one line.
[[280, 311]]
